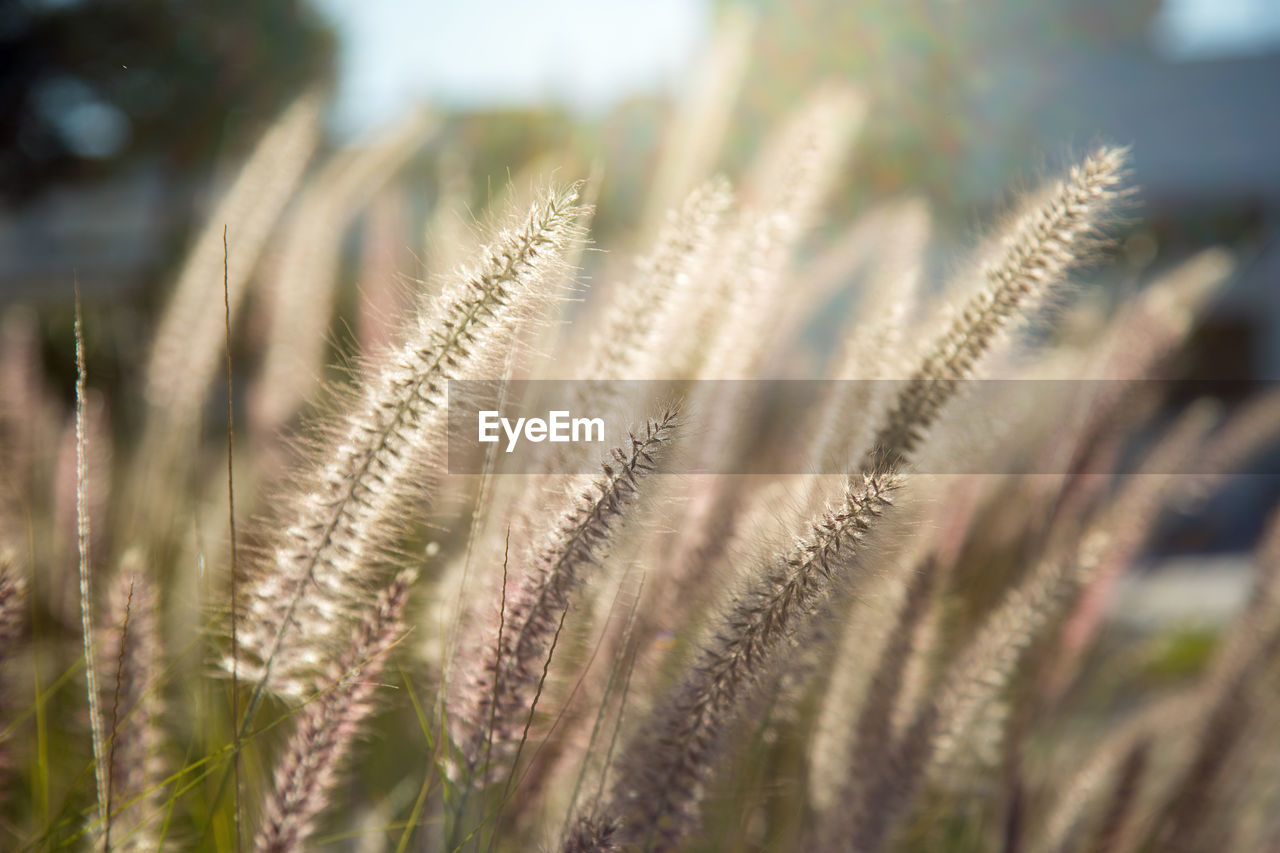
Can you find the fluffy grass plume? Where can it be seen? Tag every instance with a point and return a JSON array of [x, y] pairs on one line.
[[343, 514], [83, 539], [129, 660], [327, 727], [188, 345], [664, 769], [300, 291], [878, 659], [1031, 259], [500, 685]]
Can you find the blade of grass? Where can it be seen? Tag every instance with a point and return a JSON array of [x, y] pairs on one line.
[[86, 585]]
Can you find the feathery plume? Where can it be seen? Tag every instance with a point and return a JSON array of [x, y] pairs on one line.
[[1252, 429], [1261, 618], [1044, 242], [490, 717], [854, 251], [188, 345], [664, 768], [83, 539], [1161, 317], [65, 480], [695, 136], [1220, 696], [1137, 345], [873, 348], [592, 836], [864, 754], [13, 605], [629, 343], [1111, 539], [971, 686], [1230, 705], [793, 179], [344, 516], [1120, 807], [740, 302], [13, 594], [1079, 793], [128, 661], [301, 293], [328, 725]]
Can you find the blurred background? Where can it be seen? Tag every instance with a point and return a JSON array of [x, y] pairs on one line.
[[121, 121]]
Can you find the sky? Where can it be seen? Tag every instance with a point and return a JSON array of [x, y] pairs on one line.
[[1207, 29], [589, 54], [586, 54]]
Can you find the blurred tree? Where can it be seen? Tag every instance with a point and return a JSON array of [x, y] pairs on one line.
[[934, 70], [89, 86]]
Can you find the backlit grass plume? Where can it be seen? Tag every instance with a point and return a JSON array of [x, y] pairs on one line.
[[630, 342], [767, 623], [1029, 261], [132, 701], [495, 704], [328, 726], [13, 590], [342, 516], [664, 769], [188, 343], [301, 291]]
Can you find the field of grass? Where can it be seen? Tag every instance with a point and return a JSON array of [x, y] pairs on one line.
[[249, 603]]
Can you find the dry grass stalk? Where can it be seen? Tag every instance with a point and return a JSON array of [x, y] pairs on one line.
[[950, 728], [715, 297], [83, 542], [1117, 819], [130, 667], [626, 344], [694, 138], [327, 727], [1031, 260], [863, 756], [739, 303], [300, 293], [13, 594], [1230, 708], [794, 179], [495, 705], [344, 515], [65, 481], [629, 342], [645, 324], [873, 348], [13, 624], [188, 345], [1219, 711], [1081, 790], [1112, 538], [664, 768], [1156, 324], [1137, 345]]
